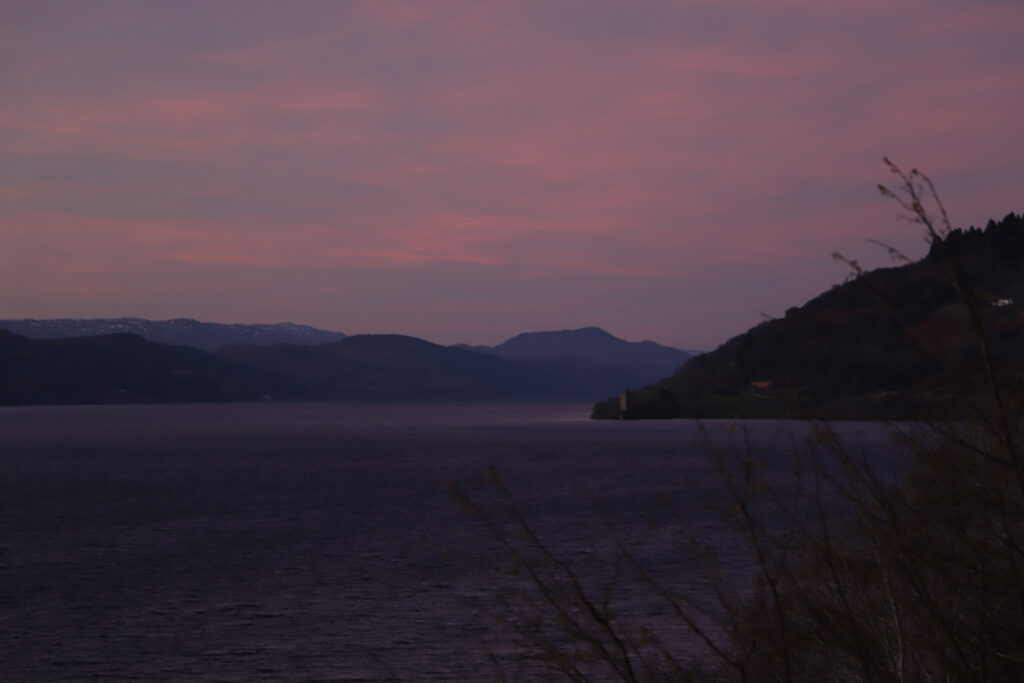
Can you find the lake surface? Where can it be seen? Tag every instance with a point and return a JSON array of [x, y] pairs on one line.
[[317, 541]]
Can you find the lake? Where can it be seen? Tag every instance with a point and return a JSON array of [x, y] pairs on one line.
[[318, 541]]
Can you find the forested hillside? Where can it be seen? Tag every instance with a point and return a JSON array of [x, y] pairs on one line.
[[889, 343]]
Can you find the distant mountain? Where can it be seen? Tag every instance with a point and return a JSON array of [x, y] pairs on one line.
[[892, 343], [121, 368], [590, 361], [201, 335], [395, 367], [126, 368]]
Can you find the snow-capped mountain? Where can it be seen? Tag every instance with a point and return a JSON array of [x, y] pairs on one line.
[[185, 331]]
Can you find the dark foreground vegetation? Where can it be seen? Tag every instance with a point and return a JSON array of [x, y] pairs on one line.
[[857, 576]]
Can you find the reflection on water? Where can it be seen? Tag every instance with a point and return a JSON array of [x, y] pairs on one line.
[[306, 541]]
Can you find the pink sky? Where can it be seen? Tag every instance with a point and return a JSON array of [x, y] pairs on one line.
[[464, 170]]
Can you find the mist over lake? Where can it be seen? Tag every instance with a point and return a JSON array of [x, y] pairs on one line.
[[307, 541]]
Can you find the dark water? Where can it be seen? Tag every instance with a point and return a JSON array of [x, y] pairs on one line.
[[306, 541]]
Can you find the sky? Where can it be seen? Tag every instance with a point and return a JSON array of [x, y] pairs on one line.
[[466, 170]]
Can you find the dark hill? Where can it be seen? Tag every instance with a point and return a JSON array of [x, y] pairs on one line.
[[888, 344], [587, 342], [120, 368], [589, 361], [395, 367]]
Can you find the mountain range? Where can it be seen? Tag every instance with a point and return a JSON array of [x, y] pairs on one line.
[[123, 367], [895, 342], [186, 331]]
